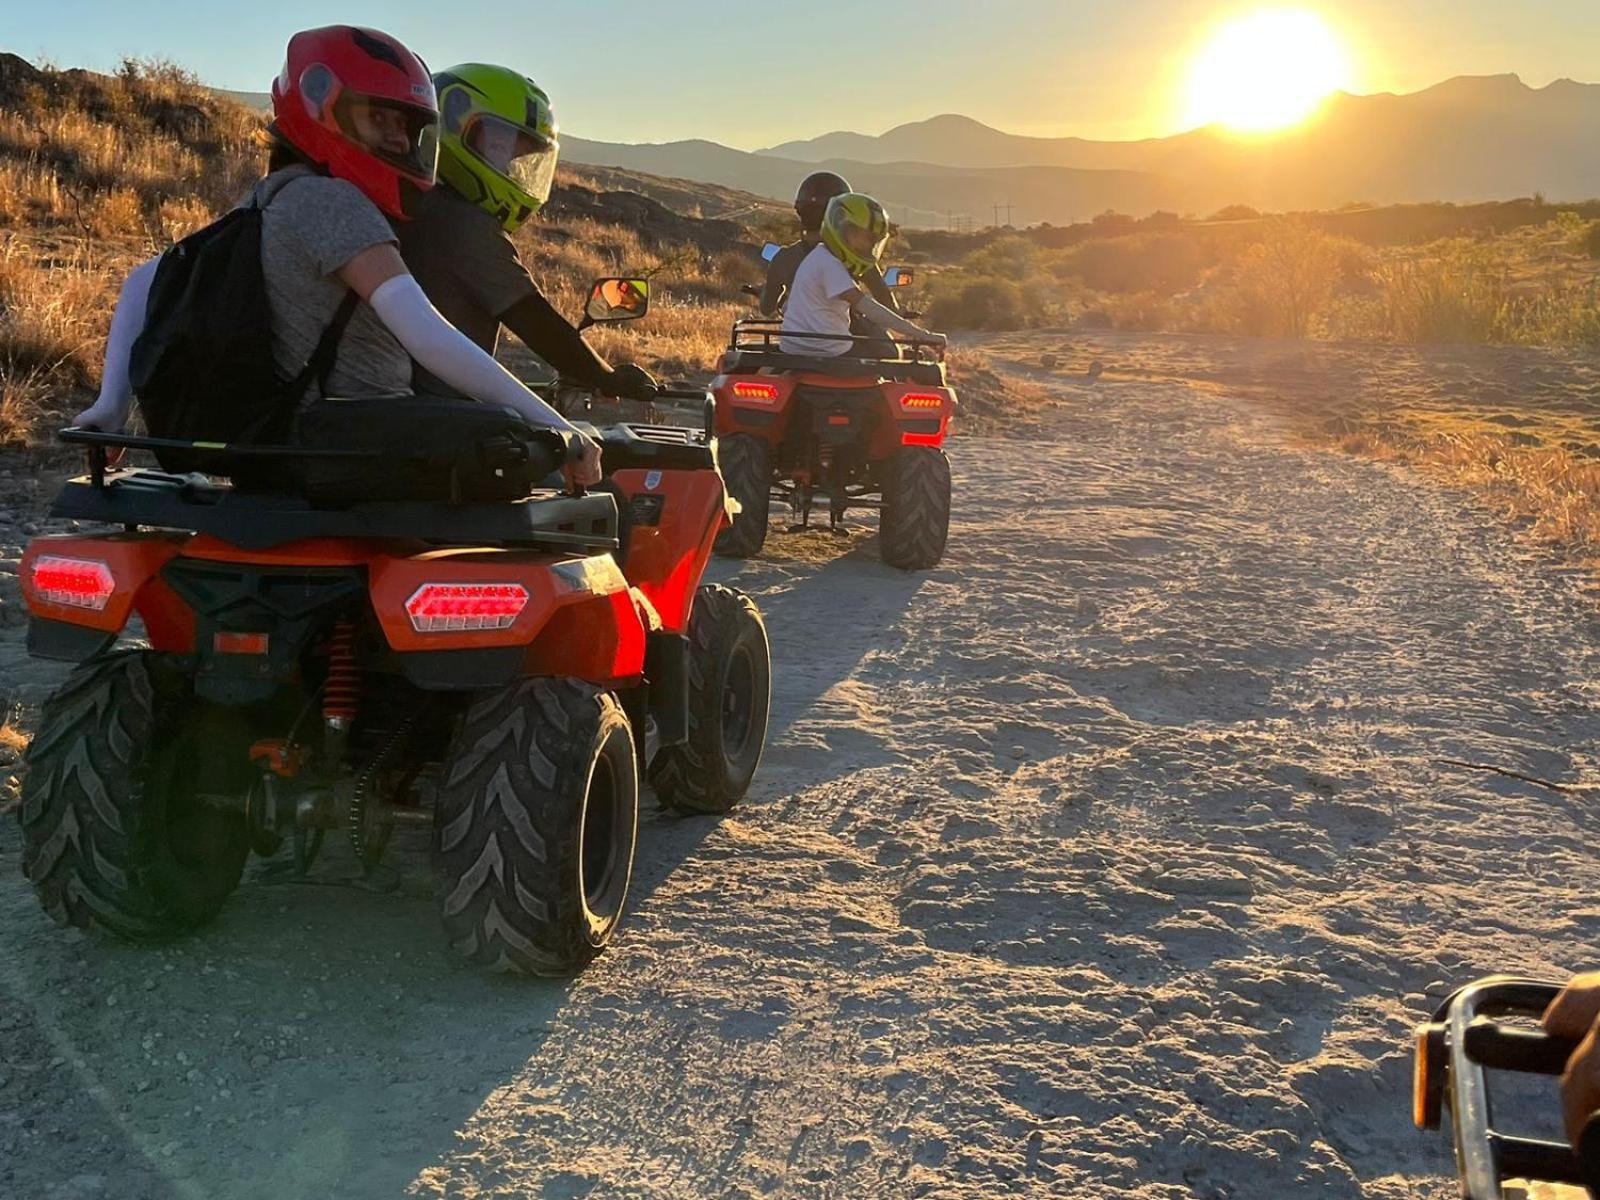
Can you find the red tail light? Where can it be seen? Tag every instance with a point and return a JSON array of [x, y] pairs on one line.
[[838, 420], [744, 390], [76, 582], [922, 439], [240, 643], [465, 607], [922, 401]]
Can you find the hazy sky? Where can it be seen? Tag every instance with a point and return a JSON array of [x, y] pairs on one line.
[[751, 74]]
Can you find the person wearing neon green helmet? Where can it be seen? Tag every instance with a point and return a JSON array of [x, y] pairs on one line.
[[828, 285], [498, 147], [811, 205]]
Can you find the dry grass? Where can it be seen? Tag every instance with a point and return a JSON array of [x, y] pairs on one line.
[[55, 303], [1552, 492], [1294, 278], [97, 172]]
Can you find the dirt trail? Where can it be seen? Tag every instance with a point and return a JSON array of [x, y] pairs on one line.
[[1109, 859]]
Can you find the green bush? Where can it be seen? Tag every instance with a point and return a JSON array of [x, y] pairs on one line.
[[983, 302], [1162, 263]]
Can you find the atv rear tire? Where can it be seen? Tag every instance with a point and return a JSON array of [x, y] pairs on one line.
[[537, 818], [730, 698], [115, 835], [916, 508], [747, 472]]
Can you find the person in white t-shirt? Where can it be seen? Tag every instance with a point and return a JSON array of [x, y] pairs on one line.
[[827, 289]]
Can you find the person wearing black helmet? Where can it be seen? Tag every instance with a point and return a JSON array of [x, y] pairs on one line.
[[810, 205]]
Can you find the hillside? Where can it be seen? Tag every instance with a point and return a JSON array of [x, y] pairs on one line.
[[1469, 138], [99, 171], [916, 194]]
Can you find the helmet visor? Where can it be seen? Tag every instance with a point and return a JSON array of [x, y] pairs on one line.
[[523, 155], [404, 135]]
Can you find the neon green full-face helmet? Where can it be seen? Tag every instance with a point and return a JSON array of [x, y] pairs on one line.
[[497, 140], [856, 229]]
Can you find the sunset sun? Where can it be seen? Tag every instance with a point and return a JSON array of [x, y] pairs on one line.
[[1266, 71]]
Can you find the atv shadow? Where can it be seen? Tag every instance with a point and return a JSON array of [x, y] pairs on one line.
[[318, 1039], [828, 609]]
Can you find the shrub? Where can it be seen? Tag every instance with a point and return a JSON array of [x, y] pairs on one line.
[[1164, 263], [1284, 281], [982, 302]]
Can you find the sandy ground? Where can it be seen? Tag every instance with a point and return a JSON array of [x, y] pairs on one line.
[[1548, 396], [1111, 858]]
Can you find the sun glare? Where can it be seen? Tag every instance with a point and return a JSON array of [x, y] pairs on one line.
[[1267, 71]]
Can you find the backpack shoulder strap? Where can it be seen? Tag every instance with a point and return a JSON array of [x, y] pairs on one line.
[[320, 365]]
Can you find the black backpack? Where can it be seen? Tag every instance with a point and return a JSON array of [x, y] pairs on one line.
[[202, 366]]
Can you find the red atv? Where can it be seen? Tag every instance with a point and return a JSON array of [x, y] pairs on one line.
[[861, 431], [503, 672]]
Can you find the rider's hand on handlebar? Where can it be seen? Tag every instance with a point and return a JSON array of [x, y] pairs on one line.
[[101, 416], [585, 472], [630, 382], [1574, 1014]]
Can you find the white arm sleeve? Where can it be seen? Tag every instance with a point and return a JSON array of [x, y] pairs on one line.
[[887, 318], [110, 411], [444, 351]]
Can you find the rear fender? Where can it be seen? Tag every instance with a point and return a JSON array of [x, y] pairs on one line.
[[135, 561], [676, 516], [580, 618], [758, 405], [918, 415]]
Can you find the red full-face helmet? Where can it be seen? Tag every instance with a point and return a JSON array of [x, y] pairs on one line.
[[330, 73]]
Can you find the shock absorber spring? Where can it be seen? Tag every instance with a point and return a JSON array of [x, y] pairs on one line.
[[342, 691]]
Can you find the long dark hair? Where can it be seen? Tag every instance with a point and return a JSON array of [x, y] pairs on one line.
[[282, 153]]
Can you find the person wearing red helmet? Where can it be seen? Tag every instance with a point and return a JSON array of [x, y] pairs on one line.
[[355, 122]]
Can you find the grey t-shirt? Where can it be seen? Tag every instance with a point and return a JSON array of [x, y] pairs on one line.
[[310, 227]]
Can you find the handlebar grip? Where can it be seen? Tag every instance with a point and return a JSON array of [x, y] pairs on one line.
[[1524, 1050]]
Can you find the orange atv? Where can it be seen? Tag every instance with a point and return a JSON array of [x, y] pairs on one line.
[[502, 672], [865, 430]]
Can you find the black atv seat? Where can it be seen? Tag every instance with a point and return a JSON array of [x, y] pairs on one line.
[[748, 362], [655, 448], [260, 521]]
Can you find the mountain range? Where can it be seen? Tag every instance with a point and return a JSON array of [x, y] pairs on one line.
[[1469, 138]]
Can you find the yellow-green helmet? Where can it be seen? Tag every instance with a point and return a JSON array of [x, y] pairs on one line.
[[497, 140], [856, 229]]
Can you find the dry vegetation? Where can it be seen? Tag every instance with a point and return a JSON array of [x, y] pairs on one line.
[[98, 172], [1517, 274], [1521, 274]]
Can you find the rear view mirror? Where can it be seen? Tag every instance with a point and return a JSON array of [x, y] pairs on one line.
[[770, 251], [617, 299], [899, 277]]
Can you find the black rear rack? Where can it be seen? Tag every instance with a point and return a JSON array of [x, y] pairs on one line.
[[755, 347], [262, 520], [761, 335], [101, 444]]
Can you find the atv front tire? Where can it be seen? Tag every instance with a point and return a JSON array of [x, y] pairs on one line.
[[916, 508], [115, 832], [730, 698], [747, 472], [535, 828]]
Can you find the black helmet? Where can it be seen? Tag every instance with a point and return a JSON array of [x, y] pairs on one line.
[[811, 201]]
